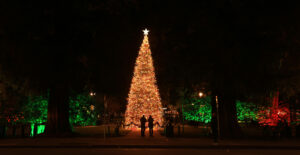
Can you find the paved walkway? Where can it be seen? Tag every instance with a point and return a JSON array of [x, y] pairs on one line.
[[136, 134], [134, 140]]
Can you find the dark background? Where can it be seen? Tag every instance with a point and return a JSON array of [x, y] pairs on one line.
[[94, 43]]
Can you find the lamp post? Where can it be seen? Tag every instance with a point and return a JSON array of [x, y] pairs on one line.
[[105, 106], [182, 117], [218, 120]]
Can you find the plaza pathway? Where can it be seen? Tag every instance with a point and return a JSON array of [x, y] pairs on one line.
[[137, 134], [134, 140]]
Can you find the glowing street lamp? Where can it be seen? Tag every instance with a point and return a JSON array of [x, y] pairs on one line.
[[92, 93], [201, 94]]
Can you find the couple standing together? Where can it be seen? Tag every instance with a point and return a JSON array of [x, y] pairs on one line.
[[143, 125]]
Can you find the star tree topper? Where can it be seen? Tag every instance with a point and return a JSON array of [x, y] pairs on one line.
[[146, 31]]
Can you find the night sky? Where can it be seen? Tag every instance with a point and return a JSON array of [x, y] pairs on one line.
[[97, 41]]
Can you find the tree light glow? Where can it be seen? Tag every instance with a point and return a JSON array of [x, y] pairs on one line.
[[144, 98]]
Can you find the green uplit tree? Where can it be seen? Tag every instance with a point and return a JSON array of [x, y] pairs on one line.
[[198, 109], [35, 110], [246, 111], [82, 112], [47, 56]]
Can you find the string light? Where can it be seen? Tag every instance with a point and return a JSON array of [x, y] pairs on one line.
[[144, 98]]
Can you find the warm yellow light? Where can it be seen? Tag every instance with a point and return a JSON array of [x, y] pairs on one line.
[[201, 94], [92, 107], [143, 97]]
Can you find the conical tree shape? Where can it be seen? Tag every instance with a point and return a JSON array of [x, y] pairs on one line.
[[143, 98]]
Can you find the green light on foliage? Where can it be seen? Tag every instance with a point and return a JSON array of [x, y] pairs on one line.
[[198, 109], [32, 130], [246, 111], [35, 111], [40, 129], [81, 113]]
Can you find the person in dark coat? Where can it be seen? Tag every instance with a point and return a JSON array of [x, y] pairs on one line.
[[143, 125], [150, 125]]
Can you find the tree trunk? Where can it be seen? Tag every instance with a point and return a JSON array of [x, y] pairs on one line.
[[229, 127], [58, 111]]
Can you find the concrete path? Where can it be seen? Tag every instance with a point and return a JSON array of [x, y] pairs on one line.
[[137, 134], [134, 140], [96, 151]]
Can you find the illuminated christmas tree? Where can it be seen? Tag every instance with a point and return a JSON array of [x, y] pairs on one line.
[[143, 98]]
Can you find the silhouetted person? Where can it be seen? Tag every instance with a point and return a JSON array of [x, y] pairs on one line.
[[150, 125], [279, 130], [287, 129], [169, 129], [143, 125]]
